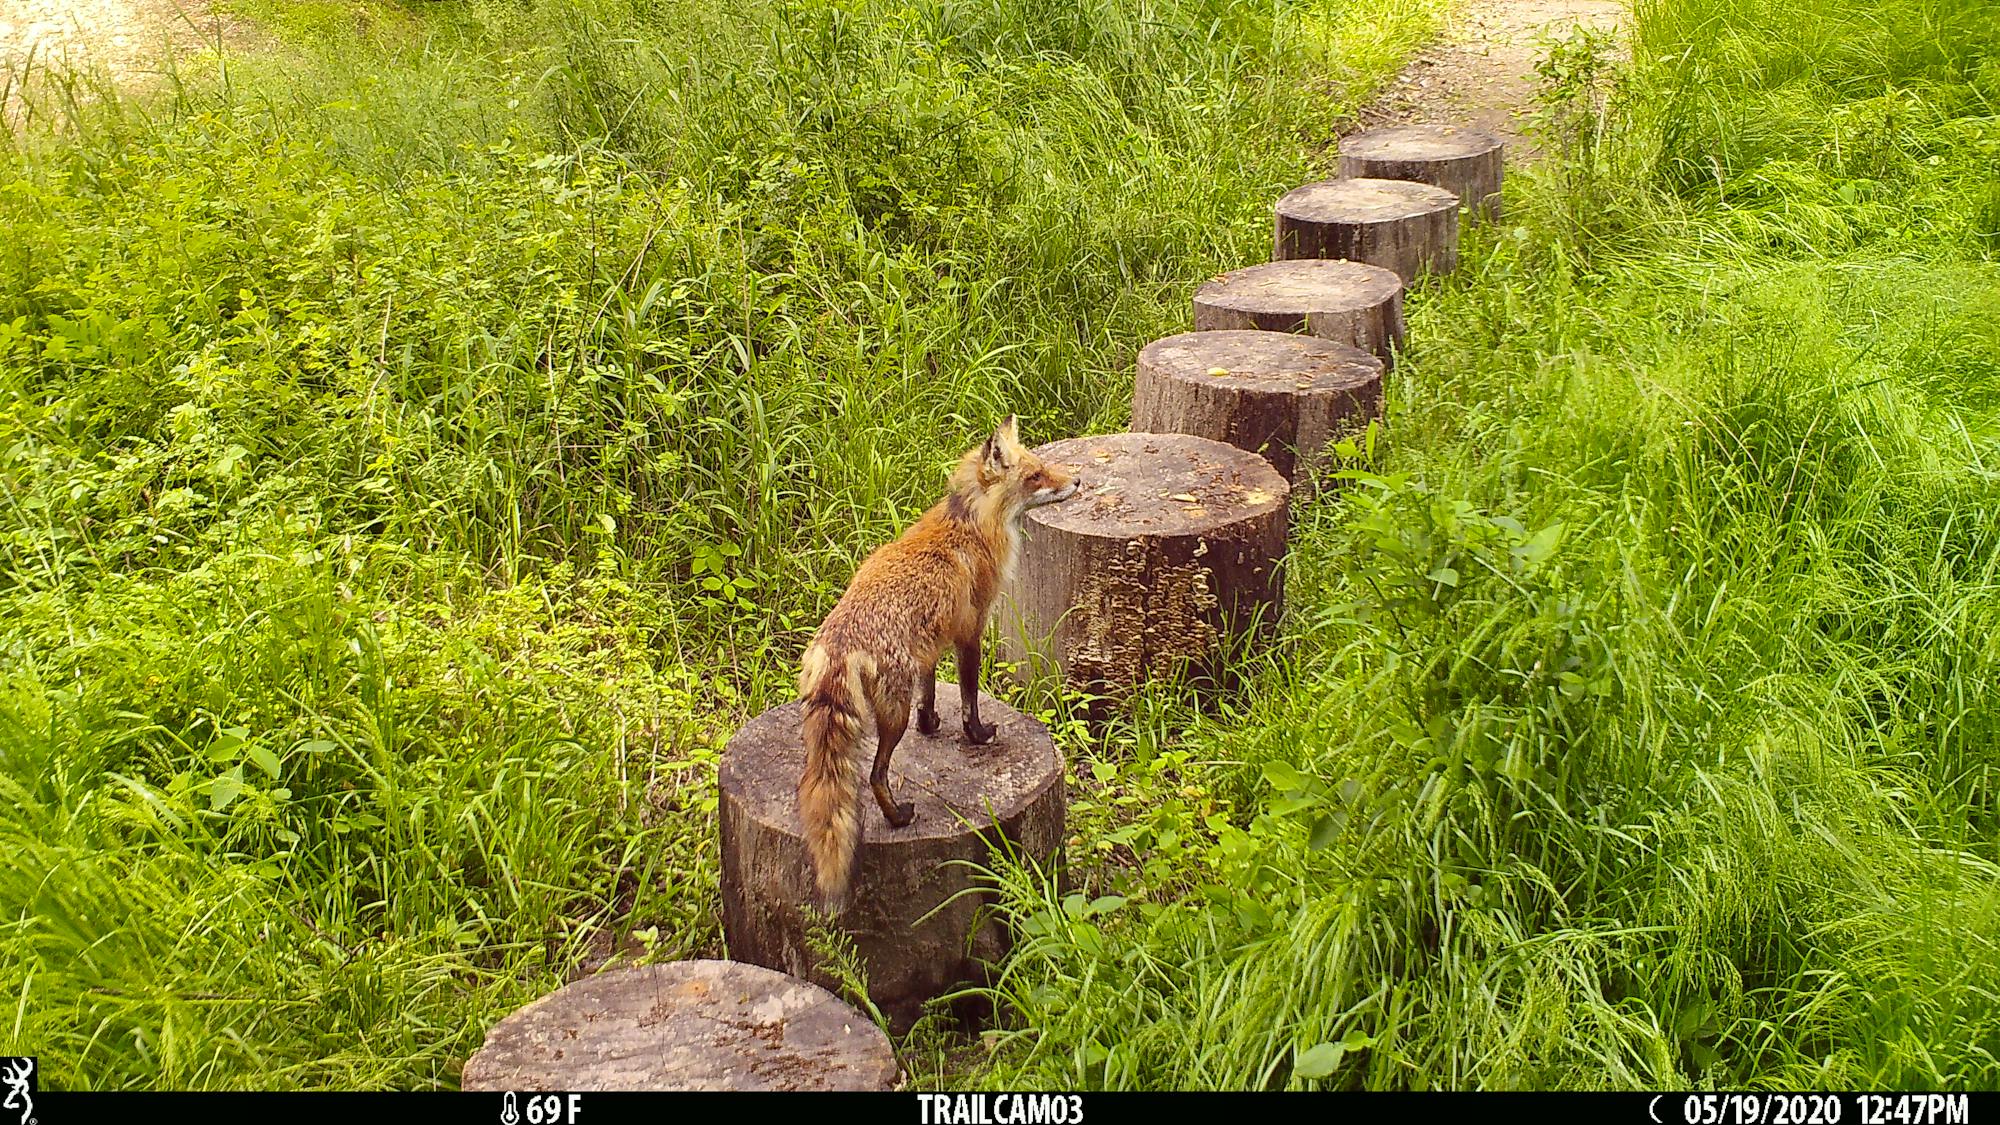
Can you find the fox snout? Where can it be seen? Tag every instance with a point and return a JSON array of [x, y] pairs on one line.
[[1051, 495]]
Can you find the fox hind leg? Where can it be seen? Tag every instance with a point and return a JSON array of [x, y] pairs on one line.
[[892, 715], [976, 732], [927, 716]]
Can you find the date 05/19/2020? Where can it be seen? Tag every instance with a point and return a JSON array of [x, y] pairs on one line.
[[1816, 1109]]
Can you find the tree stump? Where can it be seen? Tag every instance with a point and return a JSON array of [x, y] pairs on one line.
[[1164, 564], [1458, 159], [1281, 396], [1406, 227], [687, 1025], [1014, 782], [1346, 302]]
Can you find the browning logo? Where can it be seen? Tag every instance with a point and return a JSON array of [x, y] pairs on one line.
[[17, 1083]]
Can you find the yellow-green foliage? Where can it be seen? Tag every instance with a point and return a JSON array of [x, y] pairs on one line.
[[419, 457], [1639, 723], [424, 443]]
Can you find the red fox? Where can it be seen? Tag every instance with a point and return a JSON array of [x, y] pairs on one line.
[[910, 600]]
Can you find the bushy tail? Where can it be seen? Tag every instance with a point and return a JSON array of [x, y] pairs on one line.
[[828, 790]]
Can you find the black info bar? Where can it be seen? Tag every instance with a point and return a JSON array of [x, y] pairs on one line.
[[55, 1107]]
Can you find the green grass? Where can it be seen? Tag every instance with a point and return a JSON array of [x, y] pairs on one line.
[[1638, 722], [424, 445], [418, 456]]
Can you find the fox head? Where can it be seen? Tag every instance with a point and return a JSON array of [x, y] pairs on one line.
[[1002, 478]]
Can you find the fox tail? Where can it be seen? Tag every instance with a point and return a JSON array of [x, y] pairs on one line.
[[829, 788]]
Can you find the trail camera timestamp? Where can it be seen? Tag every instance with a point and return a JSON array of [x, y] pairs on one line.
[[1819, 1109]]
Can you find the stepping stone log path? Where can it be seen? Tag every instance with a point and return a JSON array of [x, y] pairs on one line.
[[1346, 302], [1407, 227], [688, 1025], [1166, 563], [1165, 559], [1453, 157], [913, 945], [1276, 394]]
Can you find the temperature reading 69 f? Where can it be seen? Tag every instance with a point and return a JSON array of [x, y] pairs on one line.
[[540, 1109]]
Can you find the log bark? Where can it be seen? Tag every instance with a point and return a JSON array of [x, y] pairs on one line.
[[1281, 396], [1461, 160], [1346, 302], [685, 1025], [1014, 783], [1164, 566], [1402, 226]]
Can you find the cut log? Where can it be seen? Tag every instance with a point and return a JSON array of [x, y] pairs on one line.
[[1281, 396], [686, 1025], [1164, 566], [1346, 302], [961, 793], [1461, 160], [1402, 226]]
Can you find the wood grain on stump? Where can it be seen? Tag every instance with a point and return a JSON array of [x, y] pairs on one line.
[[1461, 160], [1407, 227], [1014, 781], [1165, 562], [687, 1025], [1278, 395], [1346, 302]]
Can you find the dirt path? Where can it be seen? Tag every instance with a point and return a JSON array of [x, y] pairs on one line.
[[1482, 72], [130, 40]]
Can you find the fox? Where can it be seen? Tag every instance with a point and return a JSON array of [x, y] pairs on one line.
[[929, 590]]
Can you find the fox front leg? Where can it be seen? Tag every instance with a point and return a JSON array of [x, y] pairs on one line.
[[976, 732], [927, 716]]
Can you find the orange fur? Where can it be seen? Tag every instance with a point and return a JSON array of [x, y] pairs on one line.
[[909, 601]]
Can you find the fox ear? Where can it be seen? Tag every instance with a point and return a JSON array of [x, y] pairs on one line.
[[999, 453]]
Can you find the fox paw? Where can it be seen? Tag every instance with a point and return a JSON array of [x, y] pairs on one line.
[[979, 734], [905, 813], [927, 722]]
